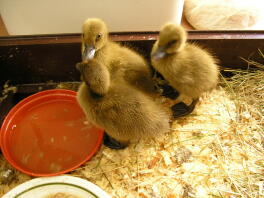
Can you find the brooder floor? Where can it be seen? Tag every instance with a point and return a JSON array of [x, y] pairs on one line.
[[217, 151]]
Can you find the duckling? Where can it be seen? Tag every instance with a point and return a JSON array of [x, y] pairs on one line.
[[125, 113], [188, 68], [96, 45]]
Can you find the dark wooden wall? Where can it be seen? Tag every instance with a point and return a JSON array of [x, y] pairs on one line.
[[34, 59]]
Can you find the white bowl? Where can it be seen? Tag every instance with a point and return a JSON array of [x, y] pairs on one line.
[[23, 17], [42, 187]]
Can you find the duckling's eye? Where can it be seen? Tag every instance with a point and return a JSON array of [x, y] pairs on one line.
[[171, 43], [98, 37]]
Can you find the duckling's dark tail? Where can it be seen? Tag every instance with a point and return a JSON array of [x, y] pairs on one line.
[[181, 109]]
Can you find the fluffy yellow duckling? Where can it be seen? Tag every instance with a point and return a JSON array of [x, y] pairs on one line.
[[96, 45], [124, 112], [188, 68]]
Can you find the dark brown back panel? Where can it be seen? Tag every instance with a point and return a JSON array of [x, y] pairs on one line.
[[35, 59]]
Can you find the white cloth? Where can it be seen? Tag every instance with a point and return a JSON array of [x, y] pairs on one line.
[[225, 14]]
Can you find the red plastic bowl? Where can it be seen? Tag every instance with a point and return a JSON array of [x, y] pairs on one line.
[[46, 134]]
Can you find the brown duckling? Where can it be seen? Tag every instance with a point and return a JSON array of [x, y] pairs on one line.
[[96, 45], [124, 112], [188, 68]]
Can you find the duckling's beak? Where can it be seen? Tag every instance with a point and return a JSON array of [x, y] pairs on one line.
[[88, 52], [160, 53]]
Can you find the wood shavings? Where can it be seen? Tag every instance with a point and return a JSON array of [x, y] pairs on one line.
[[182, 155], [166, 157], [204, 155], [69, 85], [216, 152], [6, 90], [13, 178]]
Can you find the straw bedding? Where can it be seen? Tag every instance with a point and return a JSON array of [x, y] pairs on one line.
[[217, 151]]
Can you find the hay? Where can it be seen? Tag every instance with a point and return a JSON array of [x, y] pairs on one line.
[[210, 153], [216, 152], [247, 88]]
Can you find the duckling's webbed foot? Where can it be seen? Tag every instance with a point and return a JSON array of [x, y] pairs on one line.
[[181, 109], [112, 143]]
